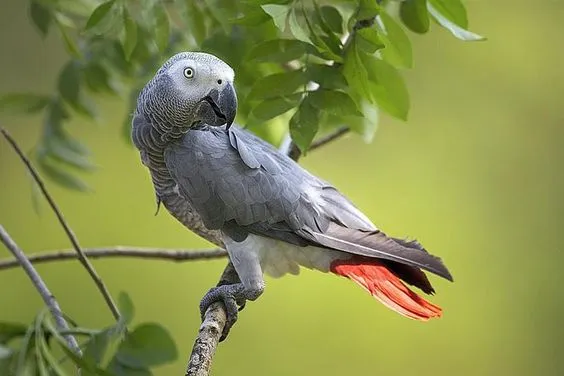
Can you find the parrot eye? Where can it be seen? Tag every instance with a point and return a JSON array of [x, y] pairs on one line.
[[188, 72]]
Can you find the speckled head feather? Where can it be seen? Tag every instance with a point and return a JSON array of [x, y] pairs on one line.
[[189, 89]]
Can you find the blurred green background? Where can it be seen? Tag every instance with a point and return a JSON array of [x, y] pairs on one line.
[[475, 174]]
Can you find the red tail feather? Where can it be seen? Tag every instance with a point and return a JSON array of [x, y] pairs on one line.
[[386, 287]]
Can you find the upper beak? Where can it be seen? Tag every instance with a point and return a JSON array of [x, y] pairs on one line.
[[224, 103], [228, 103]]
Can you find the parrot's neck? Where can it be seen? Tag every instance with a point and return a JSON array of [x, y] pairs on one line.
[[152, 143]]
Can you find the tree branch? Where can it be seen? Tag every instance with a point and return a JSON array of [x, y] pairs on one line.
[[210, 331], [42, 288], [176, 255], [74, 241]]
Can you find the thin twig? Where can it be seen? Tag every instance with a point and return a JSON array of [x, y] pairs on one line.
[[321, 141], [295, 153], [177, 255], [74, 241], [42, 288]]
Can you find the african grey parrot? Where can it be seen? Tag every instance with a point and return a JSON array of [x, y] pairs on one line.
[[273, 215]]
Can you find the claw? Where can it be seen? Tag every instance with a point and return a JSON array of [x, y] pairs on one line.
[[232, 297]]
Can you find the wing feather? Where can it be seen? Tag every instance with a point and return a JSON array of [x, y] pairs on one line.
[[239, 183]]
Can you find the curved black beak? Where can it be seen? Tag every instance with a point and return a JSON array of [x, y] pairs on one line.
[[224, 103]]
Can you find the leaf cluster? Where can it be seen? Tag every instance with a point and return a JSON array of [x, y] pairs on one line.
[[40, 349], [310, 65]]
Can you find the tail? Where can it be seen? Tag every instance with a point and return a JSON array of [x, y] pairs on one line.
[[377, 278], [376, 244]]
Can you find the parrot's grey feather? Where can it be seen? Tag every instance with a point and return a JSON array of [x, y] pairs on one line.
[[244, 152], [277, 199], [248, 194]]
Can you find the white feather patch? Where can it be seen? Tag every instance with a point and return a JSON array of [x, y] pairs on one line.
[[278, 258]]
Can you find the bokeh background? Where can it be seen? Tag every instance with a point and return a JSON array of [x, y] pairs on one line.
[[476, 174]]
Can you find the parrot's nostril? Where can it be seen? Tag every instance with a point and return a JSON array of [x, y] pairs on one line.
[[219, 82]]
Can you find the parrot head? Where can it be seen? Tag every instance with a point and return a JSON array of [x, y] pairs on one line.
[[189, 90]]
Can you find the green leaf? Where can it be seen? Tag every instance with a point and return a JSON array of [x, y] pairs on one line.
[[414, 15], [370, 122], [69, 82], [116, 368], [6, 355], [297, 30], [453, 10], [58, 175], [45, 353], [278, 50], [99, 14], [148, 345], [333, 18], [220, 16], [387, 86], [25, 103], [398, 47], [334, 102], [330, 39], [327, 76], [162, 27], [25, 364], [278, 13], [85, 106], [59, 150], [273, 107], [41, 17], [87, 367], [70, 44], [355, 72], [58, 145], [39, 338], [369, 40], [72, 7], [456, 30], [329, 46], [41, 366], [365, 125], [278, 84], [103, 347], [126, 308], [130, 36], [196, 21], [304, 125], [251, 16], [53, 129], [367, 9], [10, 330], [97, 78]]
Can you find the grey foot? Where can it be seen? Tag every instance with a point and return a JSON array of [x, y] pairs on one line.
[[234, 297]]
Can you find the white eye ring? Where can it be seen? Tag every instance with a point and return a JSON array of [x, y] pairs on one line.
[[188, 72]]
